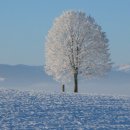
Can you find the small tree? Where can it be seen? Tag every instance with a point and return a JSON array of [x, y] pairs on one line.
[[75, 45]]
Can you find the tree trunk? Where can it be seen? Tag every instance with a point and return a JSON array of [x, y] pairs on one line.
[[76, 82], [63, 88]]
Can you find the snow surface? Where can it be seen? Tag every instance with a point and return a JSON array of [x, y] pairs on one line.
[[22, 110]]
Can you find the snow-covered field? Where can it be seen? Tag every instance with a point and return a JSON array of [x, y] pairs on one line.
[[20, 110]]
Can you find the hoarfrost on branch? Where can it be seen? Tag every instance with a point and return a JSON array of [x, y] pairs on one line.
[[76, 44]]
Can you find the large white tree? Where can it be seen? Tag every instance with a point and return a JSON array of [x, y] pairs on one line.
[[76, 46]]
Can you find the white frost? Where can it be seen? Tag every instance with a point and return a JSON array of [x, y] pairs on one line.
[[76, 44]]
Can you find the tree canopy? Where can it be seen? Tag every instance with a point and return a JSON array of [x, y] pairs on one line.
[[76, 45]]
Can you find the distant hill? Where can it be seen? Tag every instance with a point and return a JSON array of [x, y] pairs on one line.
[[33, 77], [22, 76]]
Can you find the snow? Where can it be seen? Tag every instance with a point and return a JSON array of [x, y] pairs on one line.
[[2, 79], [124, 67], [25, 110]]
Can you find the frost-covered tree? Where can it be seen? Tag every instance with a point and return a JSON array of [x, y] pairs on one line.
[[76, 46]]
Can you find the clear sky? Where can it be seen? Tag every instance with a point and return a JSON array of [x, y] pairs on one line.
[[24, 25]]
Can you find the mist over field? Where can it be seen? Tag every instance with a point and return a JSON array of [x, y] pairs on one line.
[[24, 77]]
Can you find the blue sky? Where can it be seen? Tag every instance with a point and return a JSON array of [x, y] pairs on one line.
[[24, 25]]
